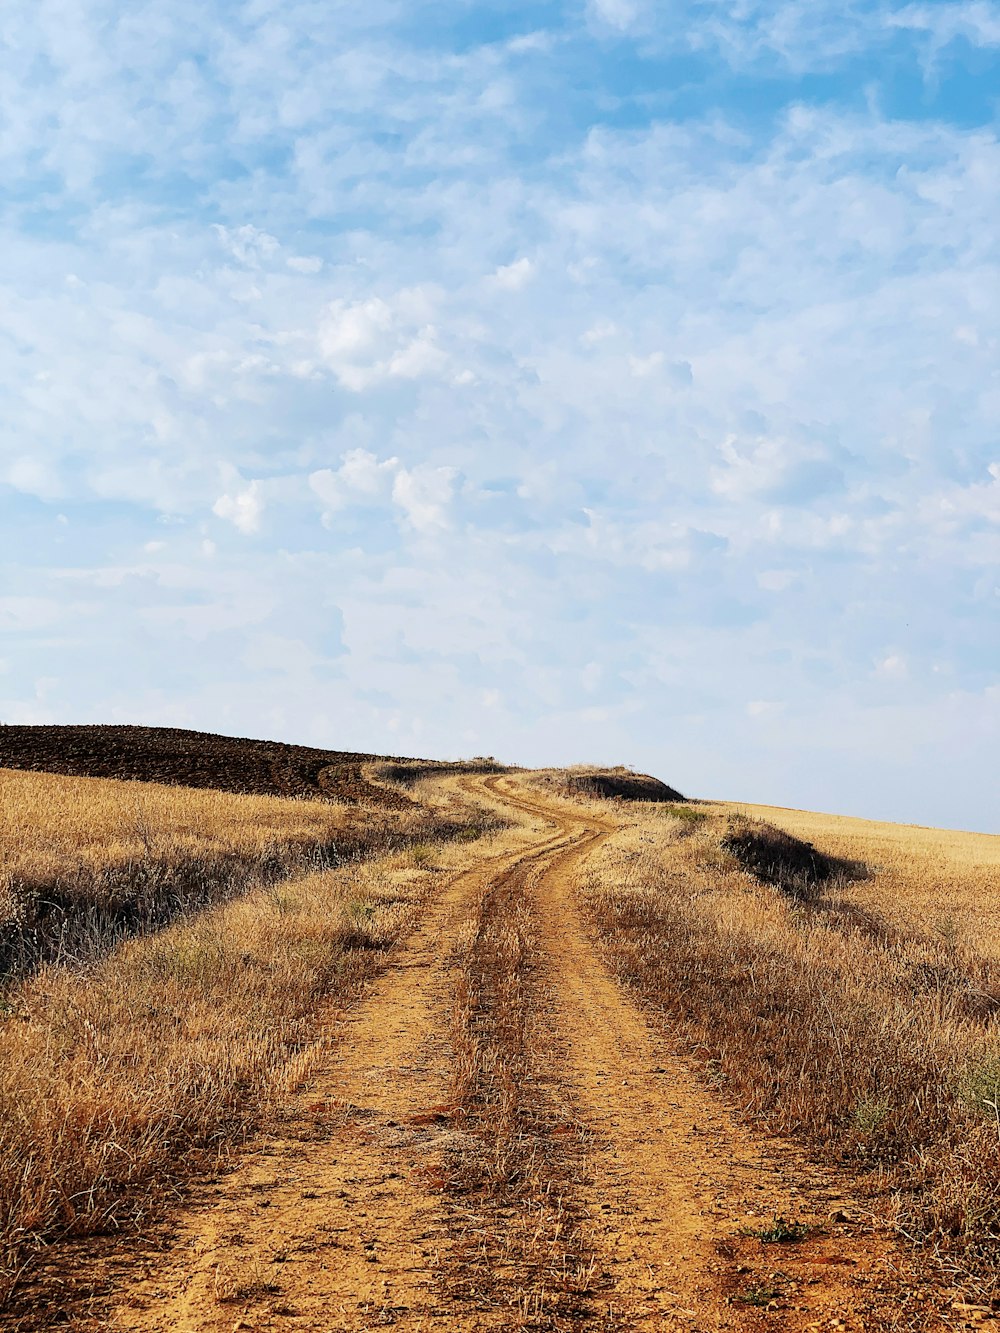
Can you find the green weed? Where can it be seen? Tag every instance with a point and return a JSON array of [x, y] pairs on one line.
[[422, 855], [780, 1231], [760, 1296]]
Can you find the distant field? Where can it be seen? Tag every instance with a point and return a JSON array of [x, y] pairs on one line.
[[193, 759], [934, 880]]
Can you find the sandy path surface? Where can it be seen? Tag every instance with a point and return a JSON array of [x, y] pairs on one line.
[[339, 1220]]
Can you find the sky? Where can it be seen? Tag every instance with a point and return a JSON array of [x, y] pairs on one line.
[[580, 380]]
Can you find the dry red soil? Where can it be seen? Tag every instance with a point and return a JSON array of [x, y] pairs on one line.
[[345, 1214]]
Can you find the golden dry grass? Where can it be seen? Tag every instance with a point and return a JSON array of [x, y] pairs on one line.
[[927, 879], [862, 1016], [86, 861], [114, 1078], [60, 830]]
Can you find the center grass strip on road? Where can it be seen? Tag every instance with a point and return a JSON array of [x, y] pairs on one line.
[[518, 1249]]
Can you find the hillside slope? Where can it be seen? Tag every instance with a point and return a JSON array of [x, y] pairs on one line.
[[193, 759]]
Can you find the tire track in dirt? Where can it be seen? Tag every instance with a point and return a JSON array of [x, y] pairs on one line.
[[337, 1220]]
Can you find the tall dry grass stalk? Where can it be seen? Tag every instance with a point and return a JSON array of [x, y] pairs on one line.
[[873, 1036]]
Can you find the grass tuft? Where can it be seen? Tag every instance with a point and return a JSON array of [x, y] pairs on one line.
[[779, 1231]]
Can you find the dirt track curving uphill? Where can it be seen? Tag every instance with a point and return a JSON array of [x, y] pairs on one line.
[[348, 1216]]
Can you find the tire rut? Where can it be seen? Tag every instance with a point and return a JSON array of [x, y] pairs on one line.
[[337, 1220]]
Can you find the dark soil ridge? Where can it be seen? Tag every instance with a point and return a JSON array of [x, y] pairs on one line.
[[622, 785], [177, 757]]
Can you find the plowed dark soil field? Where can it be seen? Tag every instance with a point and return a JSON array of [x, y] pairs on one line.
[[193, 759]]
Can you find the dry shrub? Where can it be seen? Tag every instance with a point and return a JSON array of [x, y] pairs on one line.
[[605, 784], [406, 773], [866, 1042], [776, 857]]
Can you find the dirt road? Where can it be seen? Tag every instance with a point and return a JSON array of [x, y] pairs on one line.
[[350, 1215]]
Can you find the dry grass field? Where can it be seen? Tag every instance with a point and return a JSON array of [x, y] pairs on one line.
[[935, 881], [87, 861], [528, 1050]]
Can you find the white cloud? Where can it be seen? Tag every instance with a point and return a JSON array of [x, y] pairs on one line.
[[425, 495], [421, 496], [776, 580], [361, 478], [776, 470], [976, 20], [599, 333], [242, 508], [591, 677], [19, 614], [248, 245], [366, 342], [617, 13], [34, 476], [418, 359], [512, 277], [763, 708], [893, 667], [642, 366]]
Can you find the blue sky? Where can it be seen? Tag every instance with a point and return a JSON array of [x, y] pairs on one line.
[[606, 381]]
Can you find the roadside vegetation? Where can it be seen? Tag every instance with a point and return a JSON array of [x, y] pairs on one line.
[[123, 1075], [87, 861], [810, 965]]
